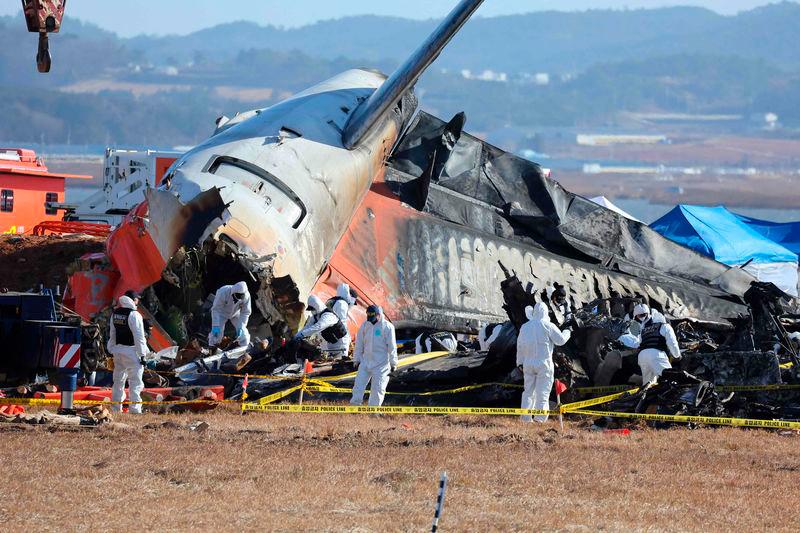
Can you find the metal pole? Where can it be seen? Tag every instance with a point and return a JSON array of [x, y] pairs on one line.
[[303, 381], [560, 414], [439, 502]]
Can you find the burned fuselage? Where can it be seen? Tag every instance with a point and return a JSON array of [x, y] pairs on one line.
[[428, 240], [339, 184], [289, 189]]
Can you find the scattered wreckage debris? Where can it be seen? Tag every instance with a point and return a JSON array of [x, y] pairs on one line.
[[87, 417], [348, 182], [714, 357], [742, 352]]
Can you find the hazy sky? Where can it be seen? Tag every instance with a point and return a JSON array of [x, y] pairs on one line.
[[131, 17]]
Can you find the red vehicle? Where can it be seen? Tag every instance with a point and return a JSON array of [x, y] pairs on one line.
[[26, 188]]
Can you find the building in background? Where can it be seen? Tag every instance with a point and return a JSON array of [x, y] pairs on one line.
[[27, 189]]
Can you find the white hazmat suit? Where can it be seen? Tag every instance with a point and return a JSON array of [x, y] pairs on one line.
[[376, 355], [128, 357], [487, 335], [658, 337], [535, 344], [426, 344], [321, 319], [341, 307], [227, 308]]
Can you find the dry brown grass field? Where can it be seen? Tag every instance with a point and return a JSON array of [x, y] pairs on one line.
[[290, 472]]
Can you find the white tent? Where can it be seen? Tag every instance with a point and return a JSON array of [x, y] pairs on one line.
[[605, 202]]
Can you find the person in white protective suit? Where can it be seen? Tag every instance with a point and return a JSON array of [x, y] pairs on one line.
[[231, 303], [326, 323], [375, 356], [559, 307], [128, 345], [442, 341], [487, 335], [340, 305], [655, 339], [535, 344]]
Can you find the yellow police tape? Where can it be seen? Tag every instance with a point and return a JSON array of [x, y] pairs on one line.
[[601, 389], [406, 361], [748, 388], [250, 376], [28, 401], [712, 420], [566, 408], [393, 410], [414, 359], [317, 386], [279, 395]]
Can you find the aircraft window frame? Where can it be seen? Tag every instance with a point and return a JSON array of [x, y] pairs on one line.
[[216, 161]]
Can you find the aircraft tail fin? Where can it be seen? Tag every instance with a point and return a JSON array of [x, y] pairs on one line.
[[406, 75]]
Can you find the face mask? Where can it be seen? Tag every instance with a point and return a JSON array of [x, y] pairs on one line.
[[642, 318], [373, 319]]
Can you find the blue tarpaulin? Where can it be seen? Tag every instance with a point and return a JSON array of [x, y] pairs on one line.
[[787, 234], [718, 233], [724, 236]]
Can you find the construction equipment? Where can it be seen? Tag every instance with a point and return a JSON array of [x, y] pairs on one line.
[[35, 339], [43, 17]]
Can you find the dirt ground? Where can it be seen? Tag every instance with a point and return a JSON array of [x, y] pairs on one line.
[[26, 261], [288, 472]]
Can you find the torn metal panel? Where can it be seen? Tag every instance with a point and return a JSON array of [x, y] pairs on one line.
[[735, 368], [143, 244], [482, 187], [173, 224], [430, 272]]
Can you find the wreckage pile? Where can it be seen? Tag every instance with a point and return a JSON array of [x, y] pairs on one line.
[[744, 369]]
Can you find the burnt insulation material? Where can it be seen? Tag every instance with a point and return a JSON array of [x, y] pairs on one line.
[[483, 187]]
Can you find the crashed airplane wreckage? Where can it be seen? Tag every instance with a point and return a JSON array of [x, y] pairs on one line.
[[349, 182]]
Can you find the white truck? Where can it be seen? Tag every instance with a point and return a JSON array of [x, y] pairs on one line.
[[126, 175]]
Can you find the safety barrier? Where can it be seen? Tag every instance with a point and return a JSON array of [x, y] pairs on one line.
[[711, 420], [756, 388], [324, 385], [393, 410], [267, 404]]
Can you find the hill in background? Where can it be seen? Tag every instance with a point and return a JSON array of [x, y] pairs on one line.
[[520, 73]]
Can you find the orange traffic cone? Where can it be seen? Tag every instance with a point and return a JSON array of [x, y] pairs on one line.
[[308, 368]]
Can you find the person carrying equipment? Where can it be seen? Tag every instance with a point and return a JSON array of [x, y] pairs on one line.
[[340, 305], [654, 341], [326, 324]]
